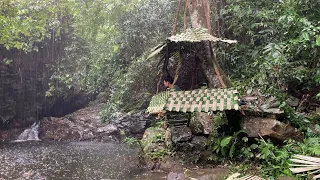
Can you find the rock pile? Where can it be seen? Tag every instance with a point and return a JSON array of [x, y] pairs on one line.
[[85, 125]]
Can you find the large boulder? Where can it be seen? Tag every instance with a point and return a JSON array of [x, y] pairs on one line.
[[153, 134], [198, 143], [133, 125], [194, 149], [153, 142], [196, 127], [82, 125], [58, 130], [258, 126], [86, 125], [201, 123], [181, 134], [260, 105]]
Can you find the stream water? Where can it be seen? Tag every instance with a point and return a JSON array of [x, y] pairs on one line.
[[80, 160], [29, 134]]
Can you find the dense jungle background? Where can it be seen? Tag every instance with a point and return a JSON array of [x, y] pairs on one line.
[[57, 56]]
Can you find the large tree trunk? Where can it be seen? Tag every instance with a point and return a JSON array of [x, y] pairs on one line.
[[200, 17]]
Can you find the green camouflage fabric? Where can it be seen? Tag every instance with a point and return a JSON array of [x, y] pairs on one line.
[[199, 100], [158, 102], [197, 35], [191, 36]]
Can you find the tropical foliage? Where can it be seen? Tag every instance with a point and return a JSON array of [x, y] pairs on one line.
[[101, 47], [104, 43], [90, 46], [278, 47]]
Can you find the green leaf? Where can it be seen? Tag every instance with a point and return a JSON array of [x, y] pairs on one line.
[[245, 139], [232, 150], [238, 132], [225, 141], [115, 48], [254, 146], [7, 61], [223, 151], [318, 40], [306, 36]]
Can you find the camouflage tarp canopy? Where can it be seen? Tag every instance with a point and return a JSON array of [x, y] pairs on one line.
[[199, 100], [190, 36]]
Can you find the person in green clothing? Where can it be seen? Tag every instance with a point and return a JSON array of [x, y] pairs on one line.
[[168, 83]]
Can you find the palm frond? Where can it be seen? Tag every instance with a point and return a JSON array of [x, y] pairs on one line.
[[156, 50], [306, 164]]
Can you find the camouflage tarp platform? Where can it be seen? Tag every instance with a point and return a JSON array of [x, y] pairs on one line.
[[199, 100]]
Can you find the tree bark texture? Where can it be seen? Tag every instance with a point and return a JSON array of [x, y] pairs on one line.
[[200, 17]]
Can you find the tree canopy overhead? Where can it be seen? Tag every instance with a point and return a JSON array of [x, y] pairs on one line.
[[102, 46]]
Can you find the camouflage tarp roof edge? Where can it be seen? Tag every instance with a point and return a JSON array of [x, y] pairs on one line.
[[199, 100], [191, 35]]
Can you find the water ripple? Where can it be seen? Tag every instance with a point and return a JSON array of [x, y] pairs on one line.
[[82, 160]]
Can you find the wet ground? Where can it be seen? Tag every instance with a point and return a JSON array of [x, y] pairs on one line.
[[80, 160], [37, 160]]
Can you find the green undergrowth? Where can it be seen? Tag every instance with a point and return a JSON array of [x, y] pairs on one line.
[[261, 156], [265, 159]]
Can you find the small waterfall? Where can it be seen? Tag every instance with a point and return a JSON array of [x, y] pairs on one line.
[[30, 134]]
